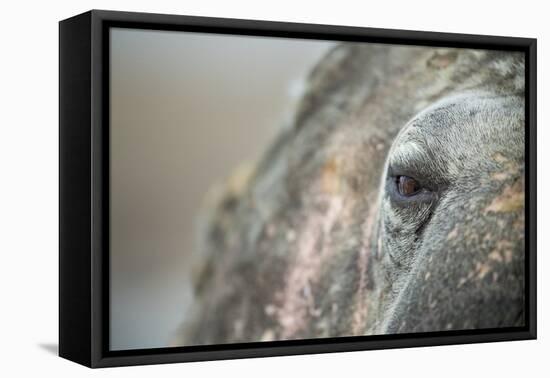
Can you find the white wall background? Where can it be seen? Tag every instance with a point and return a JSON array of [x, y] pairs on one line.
[[29, 189]]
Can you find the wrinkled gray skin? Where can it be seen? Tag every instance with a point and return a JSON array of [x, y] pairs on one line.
[[315, 240]]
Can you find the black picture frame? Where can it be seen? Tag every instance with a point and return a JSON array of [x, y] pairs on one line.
[[84, 188]]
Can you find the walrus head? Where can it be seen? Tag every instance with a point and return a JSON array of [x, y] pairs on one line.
[[451, 217], [394, 203]]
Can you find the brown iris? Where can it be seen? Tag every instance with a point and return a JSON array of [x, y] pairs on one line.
[[407, 186]]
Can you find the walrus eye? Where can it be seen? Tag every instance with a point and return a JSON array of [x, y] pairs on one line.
[[407, 186]]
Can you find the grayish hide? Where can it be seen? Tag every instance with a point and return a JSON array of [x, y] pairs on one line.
[[316, 241]]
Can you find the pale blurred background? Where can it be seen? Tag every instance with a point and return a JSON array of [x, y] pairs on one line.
[[186, 108]]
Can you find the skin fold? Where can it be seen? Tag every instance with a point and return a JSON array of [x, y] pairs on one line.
[[315, 239]]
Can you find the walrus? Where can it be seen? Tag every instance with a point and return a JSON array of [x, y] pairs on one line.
[[393, 203]]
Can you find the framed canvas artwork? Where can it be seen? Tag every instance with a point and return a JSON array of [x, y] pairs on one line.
[[235, 188]]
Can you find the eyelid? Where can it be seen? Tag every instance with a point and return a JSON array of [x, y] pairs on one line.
[[424, 195], [422, 179], [410, 154]]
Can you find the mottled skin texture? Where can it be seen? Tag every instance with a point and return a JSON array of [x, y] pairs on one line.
[[315, 241]]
